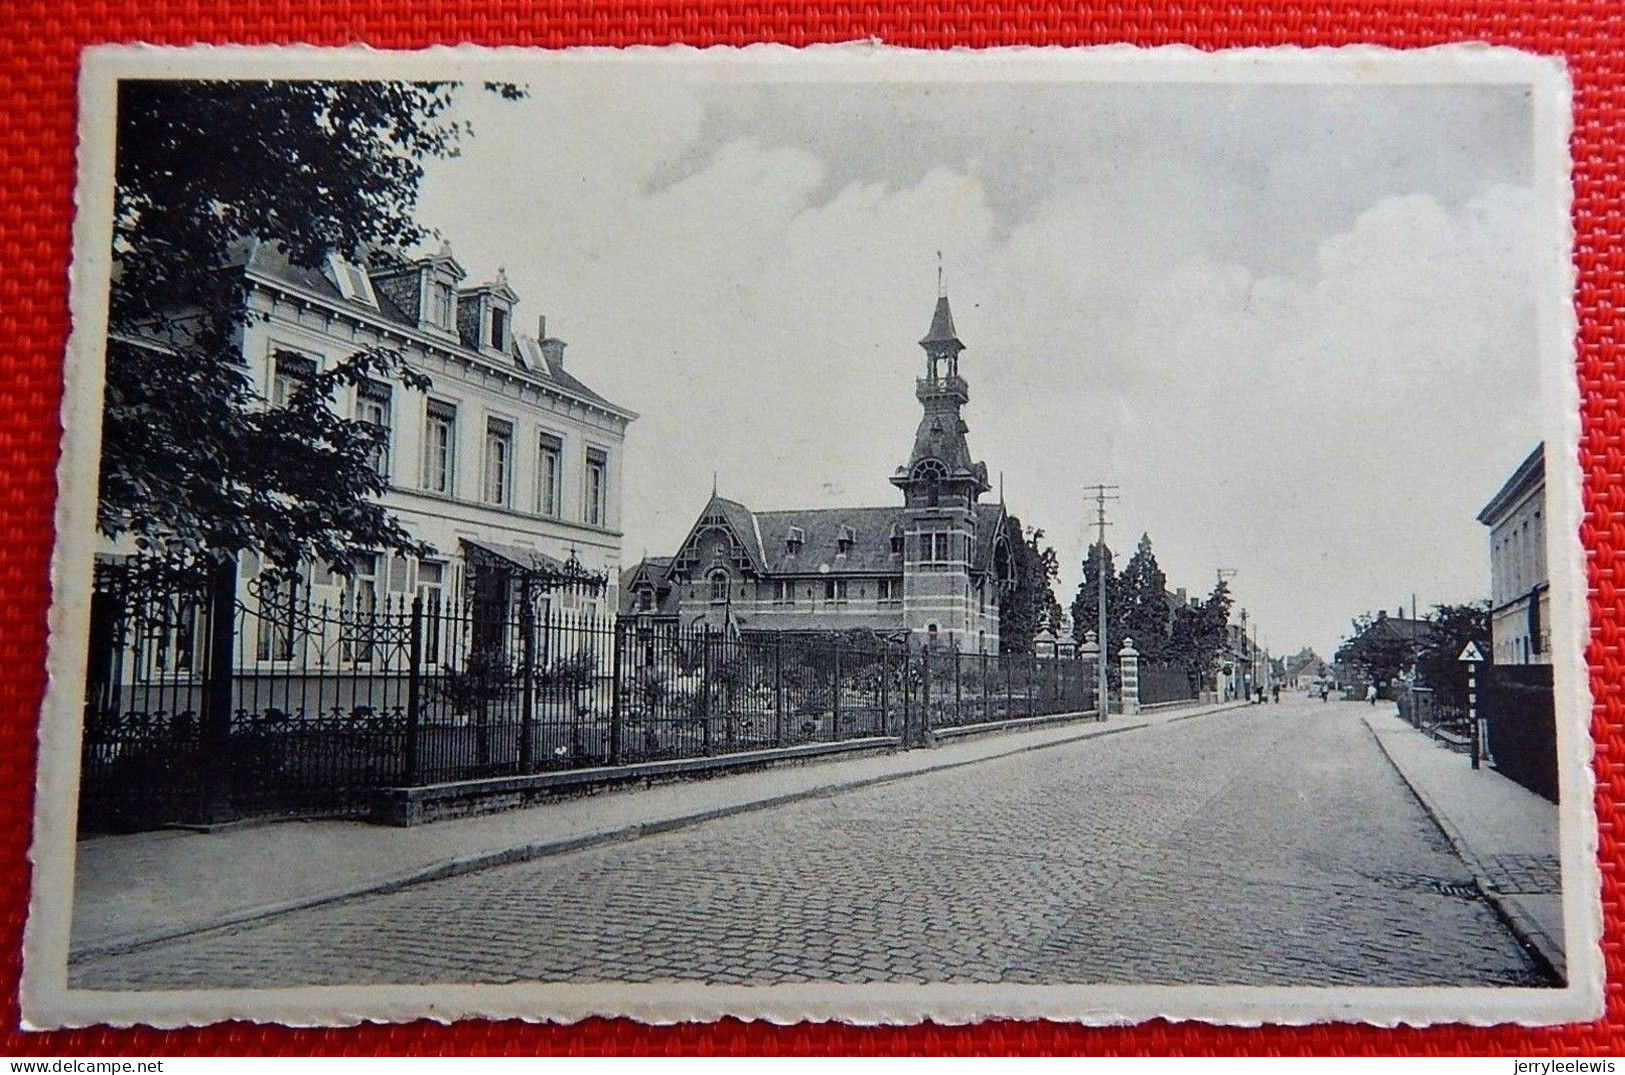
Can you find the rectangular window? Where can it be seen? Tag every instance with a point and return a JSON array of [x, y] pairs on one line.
[[597, 481], [278, 609], [440, 449], [431, 591], [936, 548], [499, 327], [291, 371], [358, 610], [549, 463], [784, 592], [442, 306], [835, 591], [498, 460], [372, 407], [889, 591]]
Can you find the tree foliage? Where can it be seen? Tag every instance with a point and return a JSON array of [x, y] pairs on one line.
[[194, 464], [1098, 563], [1438, 663], [1201, 635], [1026, 607], [1146, 616]]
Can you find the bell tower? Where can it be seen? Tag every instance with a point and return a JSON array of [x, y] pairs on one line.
[[941, 484]]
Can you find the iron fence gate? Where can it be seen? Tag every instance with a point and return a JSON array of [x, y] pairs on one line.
[[209, 701]]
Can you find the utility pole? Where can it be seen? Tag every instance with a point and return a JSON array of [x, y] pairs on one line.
[[1244, 661], [1102, 493], [1220, 574]]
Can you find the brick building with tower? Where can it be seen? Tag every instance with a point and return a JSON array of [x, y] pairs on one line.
[[933, 569]]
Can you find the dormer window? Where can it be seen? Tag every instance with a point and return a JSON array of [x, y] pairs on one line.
[[843, 540], [442, 311], [896, 539], [498, 338], [353, 282], [794, 539]]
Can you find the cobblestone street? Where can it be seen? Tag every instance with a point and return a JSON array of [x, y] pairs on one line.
[[1270, 845]]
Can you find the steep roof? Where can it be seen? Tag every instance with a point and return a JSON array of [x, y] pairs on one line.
[[269, 260], [653, 570], [871, 540], [765, 534], [942, 324]]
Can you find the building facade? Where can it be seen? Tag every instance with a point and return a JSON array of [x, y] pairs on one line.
[[1520, 591], [932, 569], [508, 465]]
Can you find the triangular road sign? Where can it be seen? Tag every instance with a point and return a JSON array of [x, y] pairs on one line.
[[1471, 654]]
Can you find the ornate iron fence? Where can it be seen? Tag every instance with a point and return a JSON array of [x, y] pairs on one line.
[[206, 703]]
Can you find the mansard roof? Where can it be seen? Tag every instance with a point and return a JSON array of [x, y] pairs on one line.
[[269, 261], [871, 540]]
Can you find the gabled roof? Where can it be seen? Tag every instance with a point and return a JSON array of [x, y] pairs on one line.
[[651, 571], [1393, 628]]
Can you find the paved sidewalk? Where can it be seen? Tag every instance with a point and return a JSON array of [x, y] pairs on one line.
[[133, 890], [1505, 833]]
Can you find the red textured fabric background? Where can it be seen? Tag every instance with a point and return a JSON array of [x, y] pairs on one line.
[[38, 53]]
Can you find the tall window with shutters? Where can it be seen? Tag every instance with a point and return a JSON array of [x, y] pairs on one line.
[[440, 448], [549, 468], [372, 407], [597, 486], [498, 460], [290, 370]]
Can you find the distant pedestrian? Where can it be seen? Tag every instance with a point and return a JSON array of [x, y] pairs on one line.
[[1276, 690], [1371, 694], [1323, 692]]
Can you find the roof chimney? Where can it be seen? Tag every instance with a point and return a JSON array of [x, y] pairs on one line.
[[553, 351], [1382, 614]]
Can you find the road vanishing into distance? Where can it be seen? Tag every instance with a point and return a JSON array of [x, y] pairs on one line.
[[1269, 845]]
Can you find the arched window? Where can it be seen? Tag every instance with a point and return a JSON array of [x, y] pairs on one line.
[[719, 586]]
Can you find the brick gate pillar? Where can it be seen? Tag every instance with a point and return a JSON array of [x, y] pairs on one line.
[[1129, 666]]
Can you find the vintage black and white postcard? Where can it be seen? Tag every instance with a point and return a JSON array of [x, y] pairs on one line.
[[833, 534]]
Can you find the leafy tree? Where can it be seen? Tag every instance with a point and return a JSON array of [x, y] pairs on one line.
[[1144, 611], [194, 466], [1377, 657], [1200, 635], [1026, 607], [1437, 660], [1085, 606]]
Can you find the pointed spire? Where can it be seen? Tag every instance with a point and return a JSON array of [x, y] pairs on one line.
[[942, 325], [713, 483], [942, 289]]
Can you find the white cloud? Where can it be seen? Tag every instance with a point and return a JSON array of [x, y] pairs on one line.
[[1330, 434]]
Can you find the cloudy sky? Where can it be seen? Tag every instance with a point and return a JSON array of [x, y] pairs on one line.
[[1295, 324]]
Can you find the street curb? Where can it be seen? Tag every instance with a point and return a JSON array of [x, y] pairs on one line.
[[1506, 905], [530, 852]]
